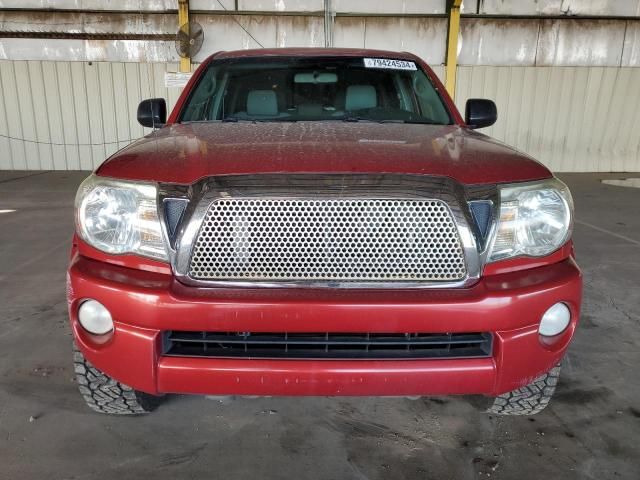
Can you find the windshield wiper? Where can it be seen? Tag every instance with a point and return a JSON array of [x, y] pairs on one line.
[[355, 118], [257, 120], [226, 119], [425, 123]]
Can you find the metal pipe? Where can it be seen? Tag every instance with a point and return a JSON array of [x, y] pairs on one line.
[[329, 17], [164, 37]]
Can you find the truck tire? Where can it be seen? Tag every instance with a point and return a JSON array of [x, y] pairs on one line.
[[103, 394], [530, 399]]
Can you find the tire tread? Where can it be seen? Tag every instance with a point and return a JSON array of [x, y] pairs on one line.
[[530, 399], [103, 394]]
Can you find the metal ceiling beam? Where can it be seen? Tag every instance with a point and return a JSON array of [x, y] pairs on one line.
[[453, 32], [317, 13], [183, 18]]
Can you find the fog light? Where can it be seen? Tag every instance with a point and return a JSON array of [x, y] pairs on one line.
[[95, 318], [555, 320]]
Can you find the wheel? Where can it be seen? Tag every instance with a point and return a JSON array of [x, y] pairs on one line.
[[530, 399], [106, 395]]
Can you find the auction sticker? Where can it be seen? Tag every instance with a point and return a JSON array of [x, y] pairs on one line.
[[389, 63]]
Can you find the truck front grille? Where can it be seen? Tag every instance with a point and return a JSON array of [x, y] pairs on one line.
[[346, 240], [327, 345]]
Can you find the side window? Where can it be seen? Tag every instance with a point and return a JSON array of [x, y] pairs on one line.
[[431, 106], [201, 103]]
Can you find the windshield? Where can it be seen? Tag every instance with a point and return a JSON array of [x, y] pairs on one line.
[[315, 89]]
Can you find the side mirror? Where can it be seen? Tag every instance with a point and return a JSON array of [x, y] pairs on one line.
[[152, 113], [480, 112]]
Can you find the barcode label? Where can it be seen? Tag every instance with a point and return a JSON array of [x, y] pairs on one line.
[[389, 63]]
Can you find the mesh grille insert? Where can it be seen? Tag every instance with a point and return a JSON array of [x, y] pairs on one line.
[[481, 211], [173, 210], [348, 240]]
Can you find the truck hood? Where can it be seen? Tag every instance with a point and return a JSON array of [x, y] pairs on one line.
[[185, 153]]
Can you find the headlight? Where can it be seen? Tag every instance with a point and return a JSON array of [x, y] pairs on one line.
[[120, 217], [535, 219]]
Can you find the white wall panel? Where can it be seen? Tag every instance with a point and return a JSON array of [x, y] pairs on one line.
[[570, 118], [73, 115], [294, 31], [349, 31], [628, 8], [280, 5], [387, 7], [212, 4], [27, 113], [580, 43], [498, 42], [86, 50], [61, 21], [15, 156], [546, 42], [225, 32], [127, 5], [422, 36], [631, 49]]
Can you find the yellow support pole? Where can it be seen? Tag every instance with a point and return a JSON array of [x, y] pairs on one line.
[[183, 18], [452, 46]]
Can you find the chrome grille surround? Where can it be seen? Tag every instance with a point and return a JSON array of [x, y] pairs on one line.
[[344, 240], [327, 186]]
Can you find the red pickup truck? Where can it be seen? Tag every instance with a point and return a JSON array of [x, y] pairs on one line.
[[320, 222]]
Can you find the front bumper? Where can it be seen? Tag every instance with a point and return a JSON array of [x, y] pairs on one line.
[[144, 304]]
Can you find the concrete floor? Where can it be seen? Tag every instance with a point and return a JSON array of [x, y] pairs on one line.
[[591, 430]]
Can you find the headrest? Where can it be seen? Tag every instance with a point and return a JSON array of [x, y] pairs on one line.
[[360, 96], [262, 102]]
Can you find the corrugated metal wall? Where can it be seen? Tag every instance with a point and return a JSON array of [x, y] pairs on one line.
[[567, 88], [573, 119], [73, 114]]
